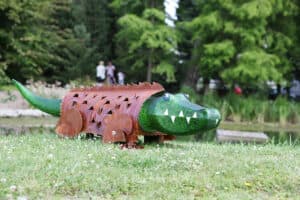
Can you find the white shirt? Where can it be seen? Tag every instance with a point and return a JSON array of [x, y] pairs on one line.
[[121, 76], [100, 71]]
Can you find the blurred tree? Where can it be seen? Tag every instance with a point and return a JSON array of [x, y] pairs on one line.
[[53, 39], [246, 42], [241, 41], [98, 18], [189, 69], [136, 7], [292, 28], [72, 42], [149, 40], [144, 39], [84, 28], [24, 38]]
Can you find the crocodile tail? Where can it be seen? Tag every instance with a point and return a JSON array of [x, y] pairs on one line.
[[50, 106]]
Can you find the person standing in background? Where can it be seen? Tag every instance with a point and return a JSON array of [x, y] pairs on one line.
[[121, 78], [100, 73], [110, 70]]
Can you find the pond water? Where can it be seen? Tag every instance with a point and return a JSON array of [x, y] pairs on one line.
[[275, 137]]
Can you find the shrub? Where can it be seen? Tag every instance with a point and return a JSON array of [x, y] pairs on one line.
[[253, 108]]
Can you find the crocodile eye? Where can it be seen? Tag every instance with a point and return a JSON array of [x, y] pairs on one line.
[[166, 97], [187, 96]]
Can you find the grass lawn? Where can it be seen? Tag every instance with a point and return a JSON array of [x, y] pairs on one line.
[[43, 166], [241, 126]]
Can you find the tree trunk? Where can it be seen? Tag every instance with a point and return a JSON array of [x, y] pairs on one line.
[[192, 76], [149, 69]]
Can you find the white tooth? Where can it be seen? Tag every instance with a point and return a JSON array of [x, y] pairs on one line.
[[166, 112], [188, 119], [195, 115], [173, 118], [181, 114]]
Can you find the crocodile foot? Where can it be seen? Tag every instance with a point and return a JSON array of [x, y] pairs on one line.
[[130, 146]]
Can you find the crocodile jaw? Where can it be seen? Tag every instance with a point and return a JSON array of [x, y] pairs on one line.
[[177, 116]]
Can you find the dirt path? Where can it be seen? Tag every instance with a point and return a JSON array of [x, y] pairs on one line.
[[12, 104], [12, 100]]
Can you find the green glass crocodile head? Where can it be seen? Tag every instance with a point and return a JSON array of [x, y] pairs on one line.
[[176, 115]]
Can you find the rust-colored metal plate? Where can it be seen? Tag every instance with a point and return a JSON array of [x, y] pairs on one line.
[[97, 103], [70, 123], [117, 128]]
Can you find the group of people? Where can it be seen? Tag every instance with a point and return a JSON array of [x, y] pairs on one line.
[[107, 73]]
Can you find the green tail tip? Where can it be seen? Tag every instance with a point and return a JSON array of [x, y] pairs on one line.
[[16, 83], [50, 106]]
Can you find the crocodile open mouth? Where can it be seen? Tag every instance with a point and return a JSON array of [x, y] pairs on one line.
[[181, 114]]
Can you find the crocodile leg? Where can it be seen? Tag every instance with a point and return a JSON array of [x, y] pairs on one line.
[[70, 123], [160, 138], [119, 128]]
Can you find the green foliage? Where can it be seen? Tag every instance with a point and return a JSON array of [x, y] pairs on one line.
[[137, 7], [89, 24], [52, 39], [149, 40], [254, 67], [72, 45], [167, 69], [193, 96], [24, 38], [99, 22], [249, 109], [242, 41], [3, 78], [215, 55]]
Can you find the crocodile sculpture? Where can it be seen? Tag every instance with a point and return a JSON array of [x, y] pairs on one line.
[[122, 113]]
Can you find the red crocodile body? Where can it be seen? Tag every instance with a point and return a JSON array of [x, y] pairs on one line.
[[109, 111]]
